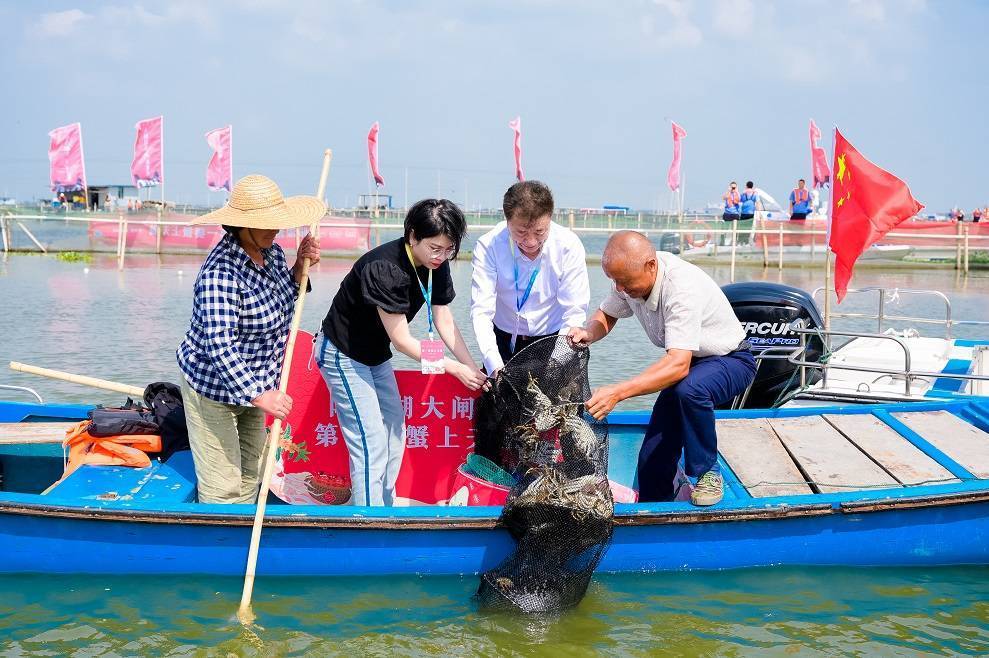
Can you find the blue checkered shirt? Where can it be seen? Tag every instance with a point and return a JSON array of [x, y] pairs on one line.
[[241, 315]]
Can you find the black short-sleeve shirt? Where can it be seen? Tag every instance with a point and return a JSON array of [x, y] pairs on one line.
[[381, 278]]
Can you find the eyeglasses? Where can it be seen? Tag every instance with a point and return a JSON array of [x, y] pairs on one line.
[[436, 252]]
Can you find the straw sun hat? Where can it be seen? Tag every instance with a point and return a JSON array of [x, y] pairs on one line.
[[256, 202]]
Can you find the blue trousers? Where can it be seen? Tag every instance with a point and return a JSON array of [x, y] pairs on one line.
[[683, 421], [372, 419]]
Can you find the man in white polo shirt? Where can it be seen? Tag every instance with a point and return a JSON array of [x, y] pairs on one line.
[[707, 361], [529, 279]]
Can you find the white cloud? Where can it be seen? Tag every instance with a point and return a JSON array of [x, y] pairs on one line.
[[734, 17], [59, 23], [870, 10], [679, 9], [681, 32], [113, 31]]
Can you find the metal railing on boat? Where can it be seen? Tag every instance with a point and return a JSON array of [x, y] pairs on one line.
[[25, 389], [881, 316], [793, 356]]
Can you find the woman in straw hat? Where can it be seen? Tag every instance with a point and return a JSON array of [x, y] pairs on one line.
[[241, 314], [377, 299]]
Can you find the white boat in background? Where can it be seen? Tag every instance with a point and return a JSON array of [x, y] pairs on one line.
[[902, 364], [801, 363]]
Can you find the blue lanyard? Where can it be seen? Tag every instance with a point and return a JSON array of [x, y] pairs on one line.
[[520, 301], [427, 292]]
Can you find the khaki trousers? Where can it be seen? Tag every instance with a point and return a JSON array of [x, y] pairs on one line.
[[227, 442]]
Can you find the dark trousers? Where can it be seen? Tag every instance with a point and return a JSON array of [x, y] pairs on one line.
[[683, 421], [504, 340]]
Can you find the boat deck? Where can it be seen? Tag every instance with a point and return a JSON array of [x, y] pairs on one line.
[[824, 453], [765, 454]]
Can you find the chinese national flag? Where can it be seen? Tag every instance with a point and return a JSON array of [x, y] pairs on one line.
[[866, 203]]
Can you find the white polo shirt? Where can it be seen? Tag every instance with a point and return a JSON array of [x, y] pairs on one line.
[[686, 310], [558, 300]]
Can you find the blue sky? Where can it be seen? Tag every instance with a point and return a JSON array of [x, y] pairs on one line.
[[594, 82]]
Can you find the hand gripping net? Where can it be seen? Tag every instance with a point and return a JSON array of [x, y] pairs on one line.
[[560, 511]]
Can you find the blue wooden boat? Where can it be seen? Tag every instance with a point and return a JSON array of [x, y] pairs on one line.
[[902, 484]]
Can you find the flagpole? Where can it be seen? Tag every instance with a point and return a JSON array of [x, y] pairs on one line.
[[162, 124], [827, 261], [85, 179], [230, 150]]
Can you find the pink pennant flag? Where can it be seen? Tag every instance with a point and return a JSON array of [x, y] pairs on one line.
[[820, 171], [516, 125], [673, 177], [372, 154], [68, 170], [146, 167], [220, 170]]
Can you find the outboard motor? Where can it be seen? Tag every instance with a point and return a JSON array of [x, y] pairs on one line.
[[766, 311], [669, 242]]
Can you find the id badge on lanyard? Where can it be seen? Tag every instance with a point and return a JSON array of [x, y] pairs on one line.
[[431, 351], [521, 299]]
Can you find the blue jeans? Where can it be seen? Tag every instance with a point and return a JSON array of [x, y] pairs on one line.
[[372, 419], [683, 421]]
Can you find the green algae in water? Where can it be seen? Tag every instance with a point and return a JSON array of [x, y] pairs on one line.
[[74, 257], [779, 611]]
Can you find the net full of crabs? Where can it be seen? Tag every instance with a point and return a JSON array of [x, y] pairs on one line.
[[560, 510]]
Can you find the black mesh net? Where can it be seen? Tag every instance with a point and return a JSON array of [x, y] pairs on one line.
[[560, 512]]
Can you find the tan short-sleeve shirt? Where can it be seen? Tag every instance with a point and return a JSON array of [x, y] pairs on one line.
[[686, 310]]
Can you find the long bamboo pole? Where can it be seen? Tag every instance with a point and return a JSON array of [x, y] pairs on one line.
[[126, 389], [244, 613]]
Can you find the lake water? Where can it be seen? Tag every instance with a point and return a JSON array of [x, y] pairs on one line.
[[88, 318]]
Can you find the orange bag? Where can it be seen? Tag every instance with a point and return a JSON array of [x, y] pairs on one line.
[[122, 450]]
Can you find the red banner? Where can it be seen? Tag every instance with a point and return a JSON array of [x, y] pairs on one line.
[[220, 169], [516, 126], [372, 154], [820, 172], [68, 167], [147, 168], [673, 176], [313, 466]]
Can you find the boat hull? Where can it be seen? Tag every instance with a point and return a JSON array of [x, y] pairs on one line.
[[943, 523], [667, 537]]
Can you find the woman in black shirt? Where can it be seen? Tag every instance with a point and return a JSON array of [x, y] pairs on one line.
[[371, 312]]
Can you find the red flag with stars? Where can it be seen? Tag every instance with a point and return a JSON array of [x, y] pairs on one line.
[[818, 159], [866, 202]]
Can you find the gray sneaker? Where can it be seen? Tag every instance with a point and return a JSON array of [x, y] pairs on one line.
[[709, 490]]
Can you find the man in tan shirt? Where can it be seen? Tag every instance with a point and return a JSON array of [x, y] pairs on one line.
[[707, 361]]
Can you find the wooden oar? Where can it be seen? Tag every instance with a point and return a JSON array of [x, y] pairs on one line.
[[126, 389], [244, 613]]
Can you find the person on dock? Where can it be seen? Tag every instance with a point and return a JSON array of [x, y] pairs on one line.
[[231, 357], [800, 201], [733, 202], [529, 277], [749, 202], [707, 362], [381, 294]]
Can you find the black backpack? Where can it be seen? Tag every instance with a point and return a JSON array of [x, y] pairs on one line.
[[165, 403], [128, 419]]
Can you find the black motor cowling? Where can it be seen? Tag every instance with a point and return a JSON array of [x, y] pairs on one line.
[[766, 311], [669, 242]]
